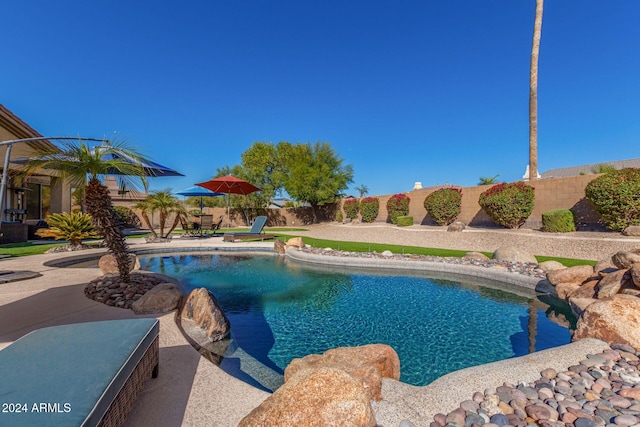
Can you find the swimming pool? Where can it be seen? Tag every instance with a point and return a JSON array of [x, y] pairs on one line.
[[280, 310]]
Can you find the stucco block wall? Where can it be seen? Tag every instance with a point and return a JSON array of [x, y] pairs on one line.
[[550, 194]]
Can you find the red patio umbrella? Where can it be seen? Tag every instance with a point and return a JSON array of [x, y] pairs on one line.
[[230, 185]]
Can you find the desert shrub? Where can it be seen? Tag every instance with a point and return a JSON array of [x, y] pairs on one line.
[[126, 217], [369, 208], [404, 221], [339, 216], [397, 205], [350, 207], [443, 205], [615, 197], [74, 227], [508, 205], [558, 221]]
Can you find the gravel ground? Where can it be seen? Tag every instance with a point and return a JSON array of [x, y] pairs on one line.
[[581, 245]]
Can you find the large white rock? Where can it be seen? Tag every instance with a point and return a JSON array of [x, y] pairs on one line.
[[513, 254]]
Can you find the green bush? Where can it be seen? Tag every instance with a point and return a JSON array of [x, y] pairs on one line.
[[126, 217], [508, 205], [443, 205], [339, 216], [397, 205], [404, 221], [350, 207], [558, 221], [74, 227], [615, 197], [369, 208]]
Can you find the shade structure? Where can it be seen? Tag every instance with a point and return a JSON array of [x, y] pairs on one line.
[[229, 185], [198, 192]]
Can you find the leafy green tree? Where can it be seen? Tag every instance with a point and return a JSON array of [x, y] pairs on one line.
[[76, 161], [74, 227], [166, 205], [363, 190], [315, 174]]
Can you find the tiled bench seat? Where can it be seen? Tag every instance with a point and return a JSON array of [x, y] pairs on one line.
[[84, 374]]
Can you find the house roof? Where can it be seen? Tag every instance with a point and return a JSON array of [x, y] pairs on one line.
[[15, 126], [589, 169]]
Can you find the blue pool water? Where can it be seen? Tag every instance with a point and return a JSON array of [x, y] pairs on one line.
[[280, 310]]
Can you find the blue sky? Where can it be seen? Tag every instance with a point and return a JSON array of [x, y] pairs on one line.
[[430, 91]]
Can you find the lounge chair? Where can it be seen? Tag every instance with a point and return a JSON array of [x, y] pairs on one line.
[[206, 223], [189, 229], [217, 224], [256, 232], [85, 374]]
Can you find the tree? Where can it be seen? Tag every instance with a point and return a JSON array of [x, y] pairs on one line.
[[165, 204], [488, 180], [77, 161], [533, 93], [315, 174], [363, 190]]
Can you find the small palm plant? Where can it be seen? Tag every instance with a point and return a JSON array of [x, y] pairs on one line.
[[166, 205], [74, 227]]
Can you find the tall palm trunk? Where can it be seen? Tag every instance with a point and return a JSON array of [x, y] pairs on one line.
[[100, 208], [533, 93]]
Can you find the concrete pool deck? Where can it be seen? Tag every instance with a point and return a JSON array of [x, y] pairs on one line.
[[190, 390]]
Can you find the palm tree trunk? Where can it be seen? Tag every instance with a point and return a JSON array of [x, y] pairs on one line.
[[100, 208], [533, 93]]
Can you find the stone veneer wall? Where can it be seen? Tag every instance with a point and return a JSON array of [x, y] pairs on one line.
[[551, 193]]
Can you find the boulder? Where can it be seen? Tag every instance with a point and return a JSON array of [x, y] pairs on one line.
[[635, 274], [513, 254], [613, 320], [295, 242], [610, 284], [604, 267], [202, 308], [632, 230], [586, 290], [579, 305], [367, 363], [548, 266], [576, 274], [565, 289], [478, 256], [161, 298], [456, 226], [625, 259], [108, 265], [279, 247], [320, 397]]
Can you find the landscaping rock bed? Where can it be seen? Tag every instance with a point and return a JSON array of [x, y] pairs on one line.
[[111, 291]]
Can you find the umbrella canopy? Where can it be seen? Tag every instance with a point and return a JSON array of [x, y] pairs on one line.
[[230, 185], [198, 192], [151, 169]]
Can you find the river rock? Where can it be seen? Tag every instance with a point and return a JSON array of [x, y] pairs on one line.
[[632, 230], [318, 397], [586, 290], [513, 254], [478, 256], [551, 265], [576, 274], [108, 265], [602, 320], [564, 290], [161, 298], [610, 284], [456, 226], [625, 259], [604, 267], [634, 271], [202, 308]]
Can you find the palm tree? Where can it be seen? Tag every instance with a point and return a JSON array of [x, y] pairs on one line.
[[533, 93], [76, 161], [488, 180], [363, 190], [165, 204]]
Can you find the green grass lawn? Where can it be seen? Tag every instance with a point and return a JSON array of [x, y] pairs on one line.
[[28, 248]]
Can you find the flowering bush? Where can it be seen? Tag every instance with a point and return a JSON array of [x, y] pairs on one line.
[[397, 205], [615, 197], [443, 205], [369, 208], [508, 205], [350, 208]]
